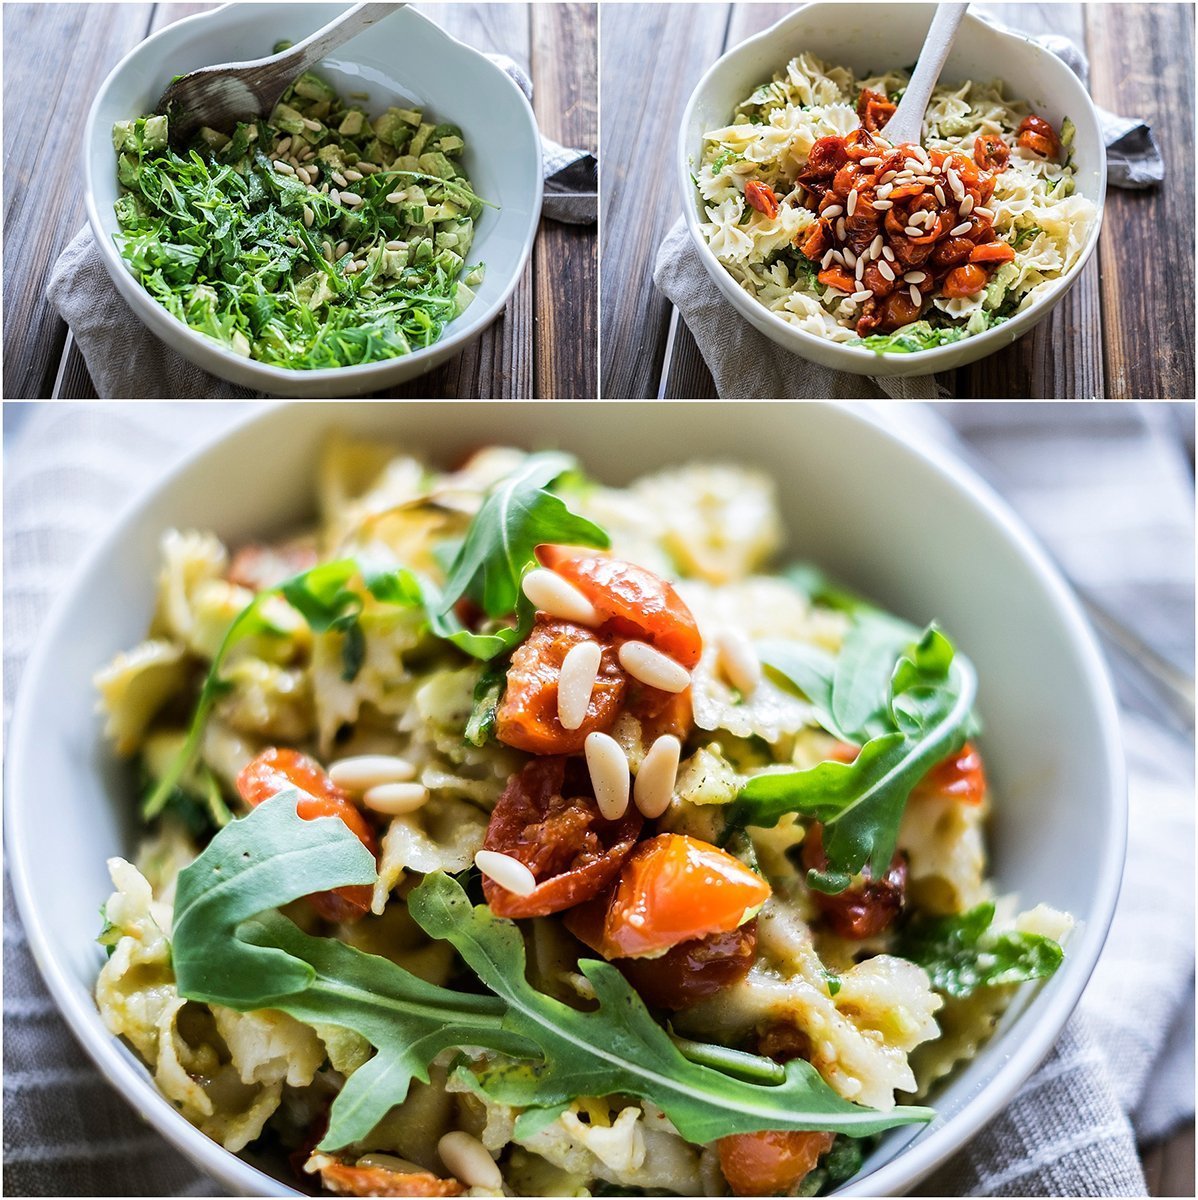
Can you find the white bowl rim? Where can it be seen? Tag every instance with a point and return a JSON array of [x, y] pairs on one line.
[[911, 1163], [936, 358], [149, 310]]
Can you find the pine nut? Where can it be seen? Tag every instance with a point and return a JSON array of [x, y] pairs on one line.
[[368, 167], [309, 217], [327, 247], [395, 799], [510, 873], [353, 176], [335, 196], [283, 146], [556, 597], [292, 240], [608, 766], [301, 173], [738, 659], [342, 249], [469, 1161], [650, 666], [396, 197], [284, 168], [576, 683], [339, 179], [315, 126], [654, 786], [351, 198], [397, 245], [364, 771]]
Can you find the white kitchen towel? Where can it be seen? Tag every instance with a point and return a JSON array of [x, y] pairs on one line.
[[126, 361], [1106, 487], [745, 364]]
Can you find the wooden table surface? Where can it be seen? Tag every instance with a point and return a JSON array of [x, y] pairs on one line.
[[57, 55], [1125, 330]]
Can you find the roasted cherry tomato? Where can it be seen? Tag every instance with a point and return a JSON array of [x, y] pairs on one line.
[[673, 889], [344, 1179], [1037, 135], [964, 281], [770, 1163], [694, 970], [633, 601], [548, 819], [259, 567], [761, 197], [961, 776], [277, 769], [868, 906], [527, 715], [990, 152], [874, 110], [992, 252]]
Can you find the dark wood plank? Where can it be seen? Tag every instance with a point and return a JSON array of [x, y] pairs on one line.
[[1169, 1165], [565, 258], [56, 56], [1142, 64], [652, 56]]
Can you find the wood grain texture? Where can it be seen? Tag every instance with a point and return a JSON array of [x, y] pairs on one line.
[[652, 55], [1142, 57], [543, 344], [56, 56], [565, 66], [1106, 338]]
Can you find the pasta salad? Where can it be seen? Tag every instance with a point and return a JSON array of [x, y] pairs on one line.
[[896, 247], [511, 834]]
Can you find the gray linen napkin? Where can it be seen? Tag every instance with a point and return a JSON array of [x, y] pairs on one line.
[[746, 364], [1107, 488], [126, 361]]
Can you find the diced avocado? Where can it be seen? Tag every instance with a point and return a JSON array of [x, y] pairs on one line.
[[996, 289], [406, 162], [392, 262], [446, 138], [315, 290], [462, 296], [214, 138], [123, 137], [474, 275], [127, 168], [376, 151], [1068, 133], [353, 123], [390, 128], [155, 136], [281, 46], [312, 87], [128, 210], [240, 344], [287, 118], [451, 146], [437, 164], [332, 157], [421, 139], [410, 116]]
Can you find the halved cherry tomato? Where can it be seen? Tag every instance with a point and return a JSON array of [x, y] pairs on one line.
[[867, 907], [837, 277], [964, 281], [633, 601], [258, 566], [1037, 135], [961, 777], [817, 241], [694, 970], [673, 889], [770, 1163], [992, 252], [761, 197], [345, 1179], [990, 152], [275, 770], [527, 715], [874, 110], [548, 819], [827, 156]]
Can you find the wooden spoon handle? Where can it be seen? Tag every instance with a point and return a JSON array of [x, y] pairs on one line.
[[907, 122], [306, 54]]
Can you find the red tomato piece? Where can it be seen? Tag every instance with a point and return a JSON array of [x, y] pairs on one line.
[[990, 152], [548, 819], [992, 252], [634, 602], [772, 1162], [673, 889], [279, 768], [867, 907], [343, 1179], [259, 567], [761, 197], [961, 777], [527, 715], [694, 970], [1037, 135], [963, 281]]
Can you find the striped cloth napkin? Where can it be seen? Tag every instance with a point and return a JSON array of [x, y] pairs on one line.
[[747, 365], [1110, 491], [126, 361]]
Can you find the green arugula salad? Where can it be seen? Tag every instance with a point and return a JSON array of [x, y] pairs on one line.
[[318, 238], [507, 833]]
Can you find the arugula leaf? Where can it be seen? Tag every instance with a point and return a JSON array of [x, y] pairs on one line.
[[518, 514], [863, 669], [861, 803], [961, 953], [480, 727], [229, 949]]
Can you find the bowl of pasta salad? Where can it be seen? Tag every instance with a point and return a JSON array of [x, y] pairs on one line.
[[516, 807], [888, 259]]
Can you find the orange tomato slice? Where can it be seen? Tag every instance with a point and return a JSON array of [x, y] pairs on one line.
[[770, 1163]]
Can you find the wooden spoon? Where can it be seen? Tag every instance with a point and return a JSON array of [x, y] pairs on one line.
[[907, 123], [221, 96]]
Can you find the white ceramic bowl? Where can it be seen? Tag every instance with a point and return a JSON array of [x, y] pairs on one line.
[[950, 550], [869, 38], [404, 60]]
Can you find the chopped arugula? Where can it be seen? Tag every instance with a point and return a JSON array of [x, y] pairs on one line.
[[919, 335], [1026, 235], [963, 953], [230, 947], [244, 251], [921, 715]]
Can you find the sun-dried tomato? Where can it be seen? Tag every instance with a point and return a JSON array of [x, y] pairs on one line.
[[874, 110], [343, 1179], [770, 1163], [275, 770], [694, 970], [633, 601], [527, 715], [1037, 135], [868, 906], [548, 819], [761, 197]]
